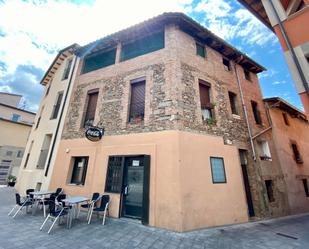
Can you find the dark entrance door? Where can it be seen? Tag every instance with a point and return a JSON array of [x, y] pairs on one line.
[[243, 161], [133, 183]]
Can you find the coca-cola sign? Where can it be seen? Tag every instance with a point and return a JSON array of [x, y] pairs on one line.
[[94, 134]]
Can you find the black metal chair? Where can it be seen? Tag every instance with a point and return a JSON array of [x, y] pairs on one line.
[[94, 199], [21, 204], [105, 200], [28, 191], [55, 212]]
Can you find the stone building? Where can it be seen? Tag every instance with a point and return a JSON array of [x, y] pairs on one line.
[[15, 126], [181, 111]]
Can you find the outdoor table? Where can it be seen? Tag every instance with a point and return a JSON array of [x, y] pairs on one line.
[[41, 195], [73, 202]]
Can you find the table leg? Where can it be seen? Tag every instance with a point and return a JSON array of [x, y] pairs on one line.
[[44, 208]]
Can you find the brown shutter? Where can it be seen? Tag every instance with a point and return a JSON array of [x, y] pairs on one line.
[[204, 96], [137, 105], [91, 107]]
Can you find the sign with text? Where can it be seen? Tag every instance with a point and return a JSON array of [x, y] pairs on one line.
[[94, 134]]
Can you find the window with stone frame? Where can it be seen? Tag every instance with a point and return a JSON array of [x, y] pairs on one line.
[[233, 103], [91, 105], [256, 112], [137, 100], [206, 105], [296, 154], [270, 190]]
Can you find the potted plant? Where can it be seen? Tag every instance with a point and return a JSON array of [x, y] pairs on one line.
[[11, 180], [136, 118]]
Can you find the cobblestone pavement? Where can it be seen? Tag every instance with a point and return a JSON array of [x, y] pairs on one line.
[[23, 232]]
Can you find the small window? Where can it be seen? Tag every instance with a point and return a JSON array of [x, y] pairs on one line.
[[28, 154], [233, 103], [79, 170], [114, 174], [44, 151], [226, 64], [57, 106], [39, 119], [15, 117], [67, 70], [137, 103], [285, 119], [9, 153], [265, 151], [38, 186], [206, 106], [200, 50], [47, 90], [305, 184], [217, 170], [269, 189], [256, 113], [19, 153], [247, 75], [297, 155], [92, 100]]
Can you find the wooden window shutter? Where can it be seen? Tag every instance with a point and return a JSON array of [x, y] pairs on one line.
[[137, 104], [91, 108], [204, 96]]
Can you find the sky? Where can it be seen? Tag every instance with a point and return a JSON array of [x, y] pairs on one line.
[[32, 32]]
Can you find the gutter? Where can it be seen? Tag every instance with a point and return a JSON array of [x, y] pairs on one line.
[[61, 116], [246, 113], [288, 42]]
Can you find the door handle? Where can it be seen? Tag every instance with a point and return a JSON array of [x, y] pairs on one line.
[[126, 190]]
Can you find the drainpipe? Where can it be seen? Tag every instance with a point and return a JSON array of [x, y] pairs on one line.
[[288, 42], [245, 112], [61, 116]]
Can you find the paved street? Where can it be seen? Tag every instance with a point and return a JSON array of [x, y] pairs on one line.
[[23, 232]]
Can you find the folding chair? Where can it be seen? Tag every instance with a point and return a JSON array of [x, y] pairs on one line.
[[21, 204], [105, 200], [55, 212]]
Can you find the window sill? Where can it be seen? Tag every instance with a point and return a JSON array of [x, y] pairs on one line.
[[236, 116], [266, 159], [76, 185]]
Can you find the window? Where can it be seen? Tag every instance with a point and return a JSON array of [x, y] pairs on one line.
[[38, 186], [39, 119], [269, 189], [57, 106], [297, 155], [67, 70], [285, 119], [15, 117], [92, 99], [99, 60], [9, 153], [47, 90], [28, 154], [19, 153], [226, 64], [206, 106], [44, 151], [305, 184], [233, 103], [79, 170], [137, 103], [265, 152], [114, 174], [200, 50], [142, 46], [5, 164], [247, 75], [217, 170], [256, 113]]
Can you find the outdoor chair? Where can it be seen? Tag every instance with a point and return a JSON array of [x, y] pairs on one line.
[[55, 213], [95, 198], [58, 192], [105, 200], [21, 204], [30, 196]]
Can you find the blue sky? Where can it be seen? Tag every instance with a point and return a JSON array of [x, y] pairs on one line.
[[30, 39]]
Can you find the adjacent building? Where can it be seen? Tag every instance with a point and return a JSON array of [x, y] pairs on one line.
[[44, 138], [15, 126], [289, 20]]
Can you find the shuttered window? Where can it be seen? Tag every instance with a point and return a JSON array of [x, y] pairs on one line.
[[137, 103], [206, 106], [91, 107], [142, 46], [57, 106], [114, 174]]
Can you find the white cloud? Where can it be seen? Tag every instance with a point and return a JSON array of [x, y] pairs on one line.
[[5, 89], [277, 82], [268, 73]]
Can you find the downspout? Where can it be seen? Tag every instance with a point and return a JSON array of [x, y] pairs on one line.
[[61, 116], [288, 42], [245, 112]]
